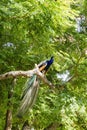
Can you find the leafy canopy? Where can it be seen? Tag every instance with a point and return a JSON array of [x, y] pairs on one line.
[[31, 31]]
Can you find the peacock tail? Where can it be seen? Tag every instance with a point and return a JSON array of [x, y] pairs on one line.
[[31, 88], [29, 95]]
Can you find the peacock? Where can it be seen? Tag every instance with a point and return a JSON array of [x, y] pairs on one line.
[[29, 95]]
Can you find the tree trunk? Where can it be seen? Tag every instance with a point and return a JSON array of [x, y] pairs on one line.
[[8, 122]]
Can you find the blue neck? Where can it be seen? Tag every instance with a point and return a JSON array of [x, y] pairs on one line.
[[49, 62]]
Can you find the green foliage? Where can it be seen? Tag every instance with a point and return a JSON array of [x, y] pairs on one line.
[[30, 32]]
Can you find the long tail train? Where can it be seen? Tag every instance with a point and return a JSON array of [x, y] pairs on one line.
[[29, 95], [31, 89]]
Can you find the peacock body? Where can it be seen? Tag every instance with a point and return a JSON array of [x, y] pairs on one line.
[[31, 90]]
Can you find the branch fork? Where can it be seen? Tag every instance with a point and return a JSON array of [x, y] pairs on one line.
[[29, 73]]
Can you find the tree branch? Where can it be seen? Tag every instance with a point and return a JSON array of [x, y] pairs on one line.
[[29, 73], [15, 74], [42, 76]]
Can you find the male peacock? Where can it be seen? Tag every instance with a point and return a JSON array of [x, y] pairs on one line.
[[32, 85]]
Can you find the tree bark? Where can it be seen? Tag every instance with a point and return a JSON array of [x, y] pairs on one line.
[[8, 123], [29, 73]]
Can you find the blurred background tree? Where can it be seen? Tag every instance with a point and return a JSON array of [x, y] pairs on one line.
[[32, 31]]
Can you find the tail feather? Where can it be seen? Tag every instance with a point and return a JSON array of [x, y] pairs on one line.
[[30, 93], [29, 96], [28, 84]]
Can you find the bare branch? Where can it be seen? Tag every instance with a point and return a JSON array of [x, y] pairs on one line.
[[13, 74], [42, 76], [29, 73]]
